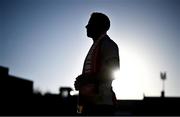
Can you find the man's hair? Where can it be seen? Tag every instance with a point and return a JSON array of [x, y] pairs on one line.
[[101, 20]]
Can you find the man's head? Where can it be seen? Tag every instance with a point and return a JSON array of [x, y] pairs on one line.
[[98, 24]]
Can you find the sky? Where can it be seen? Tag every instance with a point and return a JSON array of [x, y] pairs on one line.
[[45, 41]]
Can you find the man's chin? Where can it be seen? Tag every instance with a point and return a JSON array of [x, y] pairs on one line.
[[88, 35]]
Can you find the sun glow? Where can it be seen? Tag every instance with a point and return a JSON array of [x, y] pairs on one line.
[[129, 82], [116, 73]]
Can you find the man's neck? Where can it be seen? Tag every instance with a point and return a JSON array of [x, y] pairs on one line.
[[99, 37]]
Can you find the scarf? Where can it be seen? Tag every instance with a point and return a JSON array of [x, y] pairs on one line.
[[92, 64]]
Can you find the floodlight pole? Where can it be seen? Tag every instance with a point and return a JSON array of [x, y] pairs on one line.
[[163, 77]]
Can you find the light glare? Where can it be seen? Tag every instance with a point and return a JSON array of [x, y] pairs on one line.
[[116, 74]]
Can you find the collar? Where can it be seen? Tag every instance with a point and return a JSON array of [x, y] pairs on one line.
[[100, 37]]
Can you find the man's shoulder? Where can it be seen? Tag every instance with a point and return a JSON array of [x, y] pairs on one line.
[[108, 42]]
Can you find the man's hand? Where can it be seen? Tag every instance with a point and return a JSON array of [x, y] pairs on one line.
[[81, 80], [78, 82], [85, 79]]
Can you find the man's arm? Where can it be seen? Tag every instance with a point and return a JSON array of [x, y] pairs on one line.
[[110, 60]]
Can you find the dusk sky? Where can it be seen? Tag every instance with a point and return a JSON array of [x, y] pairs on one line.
[[45, 41]]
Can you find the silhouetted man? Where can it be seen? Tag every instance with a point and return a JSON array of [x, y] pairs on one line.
[[96, 96]]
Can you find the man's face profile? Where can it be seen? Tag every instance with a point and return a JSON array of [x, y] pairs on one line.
[[91, 28]]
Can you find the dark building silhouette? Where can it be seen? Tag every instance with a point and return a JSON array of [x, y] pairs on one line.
[[149, 106], [17, 98], [15, 93], [14, 86]]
